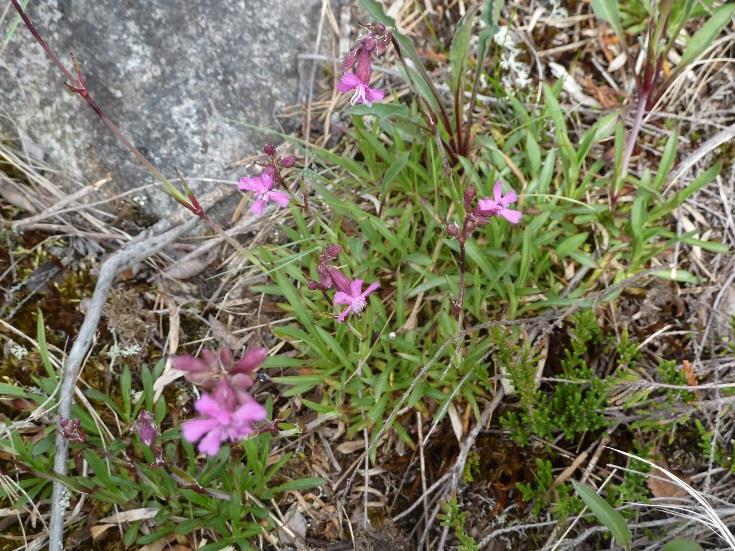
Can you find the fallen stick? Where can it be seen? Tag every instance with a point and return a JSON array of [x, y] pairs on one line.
[[142, 246]]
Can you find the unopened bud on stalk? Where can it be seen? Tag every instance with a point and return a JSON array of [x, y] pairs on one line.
[[269, 149], [288, 162], [71, 430], [453, 230], [146, 428], [469, 197]]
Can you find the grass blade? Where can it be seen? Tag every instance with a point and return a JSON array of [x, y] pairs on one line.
[[605, 514]]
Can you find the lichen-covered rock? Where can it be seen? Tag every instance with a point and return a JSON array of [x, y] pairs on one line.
[[170, 73]]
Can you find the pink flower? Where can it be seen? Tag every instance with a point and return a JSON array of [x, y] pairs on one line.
[[353, 296], [212, 368], [262, 185], [363, 92], [223, 419], [499, 205]]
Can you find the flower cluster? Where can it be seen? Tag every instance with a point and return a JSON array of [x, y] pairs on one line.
[[358, 65], [349, 292], [263, 185], [71, 430], [229, 412], [486, 208]]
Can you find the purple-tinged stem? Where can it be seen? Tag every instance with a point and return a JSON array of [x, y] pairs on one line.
[[633, 136], [452, 146], [75, 82]]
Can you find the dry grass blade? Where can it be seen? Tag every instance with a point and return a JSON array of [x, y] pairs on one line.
[[709, 517]]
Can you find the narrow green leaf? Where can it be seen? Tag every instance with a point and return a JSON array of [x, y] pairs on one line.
[[681, 544], [571, 244], [42, 346], [395, 169], [707, 33], [608, 11], [675, 274], [459, 49], [604, 512], [534, 154], [125, 383], [300, 484], [12, 390], [667, 160], [638, 214], [682, 195], [712, 246]]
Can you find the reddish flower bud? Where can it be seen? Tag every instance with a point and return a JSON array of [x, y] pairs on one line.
[[453, 230], [269, 149], [71, 429], [469, 196], [250, 361], [341, 281], [312, 285], [288, 162], [332, 251], [145, 426]]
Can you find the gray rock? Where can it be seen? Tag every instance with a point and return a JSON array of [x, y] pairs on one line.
[[169, 72]]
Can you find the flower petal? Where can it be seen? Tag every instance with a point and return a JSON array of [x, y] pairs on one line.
[[253, 183], [342, 298], [208, 406], [356, 287], [349, 81], [374, 94], [251, 412], [498, 192], [509, 198], [487, 204], [371, 288], [344, 313], [258, 207], [281, 198], [211, 443], [512, 216], [196, 428], [267, 177]]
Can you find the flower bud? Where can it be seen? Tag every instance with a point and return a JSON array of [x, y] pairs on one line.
[[469, 196], [453, 230], [312, 285], [269, 149], [341, 281], [71, 430], [332, 252], [146, 428], [288, 162], [250, 361]]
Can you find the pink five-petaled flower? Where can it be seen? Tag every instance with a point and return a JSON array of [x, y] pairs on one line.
[[498, 206], [262, 185], [223, 419], [363, 92], [350, 293]]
